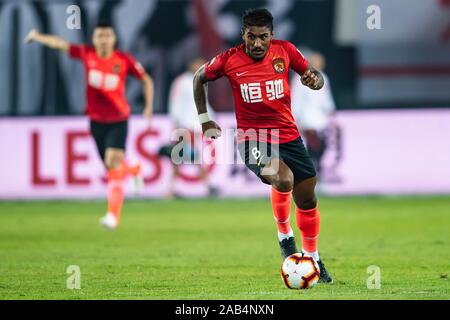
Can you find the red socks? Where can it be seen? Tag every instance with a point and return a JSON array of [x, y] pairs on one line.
[[115, 191], [308, 221], [130, 170], [281, 206]]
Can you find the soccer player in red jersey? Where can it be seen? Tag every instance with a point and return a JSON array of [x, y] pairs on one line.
[[268, 139], [106, 70]]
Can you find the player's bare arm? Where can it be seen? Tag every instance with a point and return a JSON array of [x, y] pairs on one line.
[[47, 40], [147, 82], [312, 79], [210, 128]]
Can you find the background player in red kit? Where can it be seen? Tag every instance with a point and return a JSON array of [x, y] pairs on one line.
[[106, 70], [268, 138]]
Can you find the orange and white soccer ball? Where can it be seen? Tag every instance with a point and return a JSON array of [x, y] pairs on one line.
[[300, 271]]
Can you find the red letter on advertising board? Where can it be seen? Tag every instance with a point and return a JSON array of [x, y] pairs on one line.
[[73, 158], [37, 179]]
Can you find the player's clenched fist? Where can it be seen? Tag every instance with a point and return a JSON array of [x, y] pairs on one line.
[[310, 79], [211, 130]]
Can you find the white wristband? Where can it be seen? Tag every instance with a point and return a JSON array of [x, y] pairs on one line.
[[203, 117]]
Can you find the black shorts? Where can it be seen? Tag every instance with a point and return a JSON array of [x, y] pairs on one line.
[[293, 153], [109, 135]]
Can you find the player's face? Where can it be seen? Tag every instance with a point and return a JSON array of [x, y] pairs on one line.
[[104, 39], [257, 41]]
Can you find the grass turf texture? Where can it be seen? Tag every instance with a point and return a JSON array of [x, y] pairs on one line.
[[221, 249]]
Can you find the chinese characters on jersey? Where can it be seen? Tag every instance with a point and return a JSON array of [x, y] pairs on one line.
[[252, 93]]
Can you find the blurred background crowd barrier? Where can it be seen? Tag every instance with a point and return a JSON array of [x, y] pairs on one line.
[[383, 152]]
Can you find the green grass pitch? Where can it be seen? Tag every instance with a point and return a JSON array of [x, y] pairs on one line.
[[221, 249]]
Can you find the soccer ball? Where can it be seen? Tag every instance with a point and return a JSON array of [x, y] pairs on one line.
[[300, 272]]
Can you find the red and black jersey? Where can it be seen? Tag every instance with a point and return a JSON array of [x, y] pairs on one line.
[[105, 82], [261, 88]]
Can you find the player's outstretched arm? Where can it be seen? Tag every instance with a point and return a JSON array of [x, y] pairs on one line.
[[147, 82], [210, 128], [47, 40], [312, 78]]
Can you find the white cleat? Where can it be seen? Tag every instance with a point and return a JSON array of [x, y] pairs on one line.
[[109, 221]]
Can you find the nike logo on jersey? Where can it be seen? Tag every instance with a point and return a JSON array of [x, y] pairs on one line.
[[240, 74]]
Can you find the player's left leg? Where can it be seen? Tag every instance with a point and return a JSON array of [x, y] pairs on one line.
[[308, 222], [307, 215]]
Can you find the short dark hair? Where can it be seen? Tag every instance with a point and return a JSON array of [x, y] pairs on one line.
[[258, 18], [104, 24]]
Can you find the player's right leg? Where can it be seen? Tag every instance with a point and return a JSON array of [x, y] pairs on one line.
[[114, 158], [272, 170], [110, 139], [282, 180]]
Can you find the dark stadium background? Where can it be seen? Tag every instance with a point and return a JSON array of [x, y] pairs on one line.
[[164, 37]]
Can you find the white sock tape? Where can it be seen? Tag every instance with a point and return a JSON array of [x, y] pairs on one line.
[[203, 118]]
